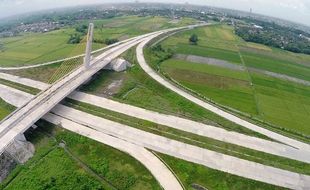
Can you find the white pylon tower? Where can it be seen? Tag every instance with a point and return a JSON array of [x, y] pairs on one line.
[[89, 45]]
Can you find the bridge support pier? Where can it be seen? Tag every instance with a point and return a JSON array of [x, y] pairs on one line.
[[18, 151]]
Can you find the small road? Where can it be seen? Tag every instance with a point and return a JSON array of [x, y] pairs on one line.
[[17, 98], [212, 108]]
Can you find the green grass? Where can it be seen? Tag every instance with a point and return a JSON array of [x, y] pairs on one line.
[[208, 45], [5, 109], [276, 65], [204, 69], [190, 174], [283, 105], [224, 86], [83, 164], [274, 98], [208, 52], [36, 48]]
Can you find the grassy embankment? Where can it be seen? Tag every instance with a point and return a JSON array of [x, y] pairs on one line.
[[5, 109], [80, 164]]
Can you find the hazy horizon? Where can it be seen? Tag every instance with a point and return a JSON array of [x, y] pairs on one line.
[[293, 10]]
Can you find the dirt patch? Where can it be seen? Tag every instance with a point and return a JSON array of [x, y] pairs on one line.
[[209, 61], [113, 87], [105, 83], [124, 37], [198, 187], [281, 76], [115, 24]]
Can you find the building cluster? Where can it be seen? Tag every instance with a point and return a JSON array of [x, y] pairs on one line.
[[39, 27]]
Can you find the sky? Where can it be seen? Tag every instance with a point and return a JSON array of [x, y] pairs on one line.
[[293, 10]]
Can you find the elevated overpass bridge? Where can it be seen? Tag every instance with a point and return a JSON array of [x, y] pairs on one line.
[[24, 117]]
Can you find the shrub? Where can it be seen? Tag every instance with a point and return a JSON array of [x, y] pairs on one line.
[[193, 39]]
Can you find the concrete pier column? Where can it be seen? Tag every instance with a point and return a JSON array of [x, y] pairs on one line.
[[20, 149], [89, 45]]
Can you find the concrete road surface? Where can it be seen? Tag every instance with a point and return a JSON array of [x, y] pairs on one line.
[[162, 174], [211, 159]]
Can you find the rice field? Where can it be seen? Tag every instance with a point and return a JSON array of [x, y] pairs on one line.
[[35, 48], [278, 102]]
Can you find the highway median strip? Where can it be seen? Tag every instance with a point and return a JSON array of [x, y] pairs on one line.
[[203, 142], [21, 87]]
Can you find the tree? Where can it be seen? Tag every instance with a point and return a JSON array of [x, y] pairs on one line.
[[74, 39], [82, 29], [193, 39], [111, 41]]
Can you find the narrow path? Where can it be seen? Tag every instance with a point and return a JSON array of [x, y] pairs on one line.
[[212, 108], [87, 169], [258, 110]]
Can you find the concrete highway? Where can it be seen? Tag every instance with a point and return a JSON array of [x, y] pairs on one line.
[[162, 174], [11, 96], [96, 127], [211, 159]]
